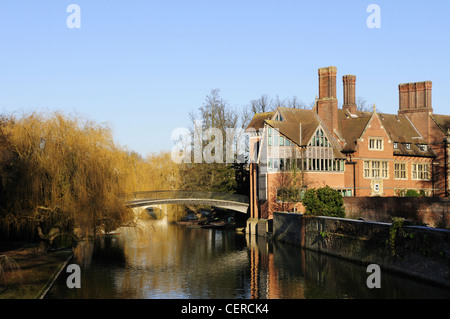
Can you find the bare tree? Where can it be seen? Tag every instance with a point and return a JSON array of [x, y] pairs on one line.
[[261, 105], [267, 104], [361, 105]]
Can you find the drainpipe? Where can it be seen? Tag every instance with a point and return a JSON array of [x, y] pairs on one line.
[[350, 162], [446, 165]]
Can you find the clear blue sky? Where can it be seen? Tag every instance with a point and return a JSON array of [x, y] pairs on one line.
[[142, 66]]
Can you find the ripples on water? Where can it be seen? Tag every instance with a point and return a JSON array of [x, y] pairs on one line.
[[167, 261]]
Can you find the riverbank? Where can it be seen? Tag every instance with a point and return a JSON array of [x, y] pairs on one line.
[[33, 272], [421, 252]]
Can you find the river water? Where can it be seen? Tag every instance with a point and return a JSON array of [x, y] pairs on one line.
[[167, 261]]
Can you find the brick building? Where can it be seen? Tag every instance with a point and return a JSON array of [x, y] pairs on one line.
[[357, 153]]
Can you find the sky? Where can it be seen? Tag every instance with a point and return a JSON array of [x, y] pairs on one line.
[[142, 66]]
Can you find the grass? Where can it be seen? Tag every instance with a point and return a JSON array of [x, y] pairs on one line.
[[32, 273]]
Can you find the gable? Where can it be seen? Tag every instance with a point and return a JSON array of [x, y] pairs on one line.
[[374, 128]]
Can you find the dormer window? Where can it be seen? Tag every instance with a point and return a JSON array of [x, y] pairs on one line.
[[395, 145], [279, 117], [422, 147], [408, 146]]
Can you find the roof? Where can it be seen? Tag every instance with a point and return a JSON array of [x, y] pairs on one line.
[[442, 121], [258, 121], [401, 130], [308, 121], [351, 127], [398, 128], [290, 127]]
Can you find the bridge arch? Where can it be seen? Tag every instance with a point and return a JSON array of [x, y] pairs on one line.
[[235, 202]]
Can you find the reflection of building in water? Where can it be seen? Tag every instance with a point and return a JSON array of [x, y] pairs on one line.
[[268, 281]]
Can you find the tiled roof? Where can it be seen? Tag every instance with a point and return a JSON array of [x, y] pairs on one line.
[[257, 121], [290, 127], [442, 121], [398, 127], [351, 128], [402, 131]]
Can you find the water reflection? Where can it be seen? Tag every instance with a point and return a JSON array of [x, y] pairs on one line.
[[162, 260]]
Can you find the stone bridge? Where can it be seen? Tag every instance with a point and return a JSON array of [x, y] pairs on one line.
[[235, 202]]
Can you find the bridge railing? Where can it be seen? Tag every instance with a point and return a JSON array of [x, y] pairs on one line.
[[174, 194]]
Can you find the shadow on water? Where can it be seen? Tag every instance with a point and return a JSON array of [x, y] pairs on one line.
[[169, 261]]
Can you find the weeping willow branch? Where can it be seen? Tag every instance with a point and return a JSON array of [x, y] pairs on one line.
[[62, 173]]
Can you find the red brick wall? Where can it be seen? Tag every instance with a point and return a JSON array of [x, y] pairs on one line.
[[434, 212]]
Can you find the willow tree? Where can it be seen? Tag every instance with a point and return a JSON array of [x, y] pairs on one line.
[[61, 174]]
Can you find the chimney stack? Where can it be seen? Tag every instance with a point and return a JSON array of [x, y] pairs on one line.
[[327, 108], [415, 97], [415, 103], [349, 93]]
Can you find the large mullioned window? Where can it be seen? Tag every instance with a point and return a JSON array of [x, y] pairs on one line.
[[420, 171], [318, 156], [376, 169]]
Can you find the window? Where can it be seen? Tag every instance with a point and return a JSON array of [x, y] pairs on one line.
[[319, 139], [400, 171], [422, 147], [269, 132], [376, 169], [288, 164], [281, 141], [275, 163], [345, 192], [366, 169], [384, 170], [395, 145], [376, 144], [270, 163], [420, 171], [408, 146]]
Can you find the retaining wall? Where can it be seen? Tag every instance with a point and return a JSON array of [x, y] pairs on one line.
[[418, 251]]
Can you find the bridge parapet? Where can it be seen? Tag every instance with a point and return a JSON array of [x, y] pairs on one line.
[[181, 194]]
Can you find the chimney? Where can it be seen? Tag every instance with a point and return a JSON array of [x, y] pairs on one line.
[[415, 97], [415, 103], [349, 93], [327, 108]]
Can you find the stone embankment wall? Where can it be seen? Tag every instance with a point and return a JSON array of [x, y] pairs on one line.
[[430, 211], [413, 250]]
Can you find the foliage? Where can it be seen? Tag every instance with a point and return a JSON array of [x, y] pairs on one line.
[[216, 116], [59, 174], [397, 223], [323, 202], [412, 193], [7, 264]]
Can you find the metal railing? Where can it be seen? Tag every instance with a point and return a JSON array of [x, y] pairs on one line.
[[186, 194]]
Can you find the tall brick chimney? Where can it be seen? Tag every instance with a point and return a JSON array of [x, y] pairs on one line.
[[327, 105], [415, 103], [415, 97], [349, 93]]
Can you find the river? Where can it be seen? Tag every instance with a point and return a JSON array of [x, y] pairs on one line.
[[167, 261]]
